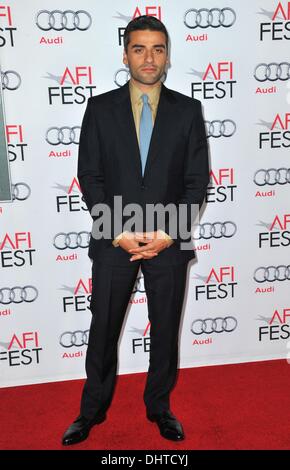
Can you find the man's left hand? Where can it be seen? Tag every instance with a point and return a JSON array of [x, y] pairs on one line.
[[154, 241]]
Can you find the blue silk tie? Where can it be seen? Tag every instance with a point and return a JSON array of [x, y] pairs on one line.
[[145, 130]]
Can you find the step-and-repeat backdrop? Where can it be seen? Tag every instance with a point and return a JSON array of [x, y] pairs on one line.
[[231, 55]]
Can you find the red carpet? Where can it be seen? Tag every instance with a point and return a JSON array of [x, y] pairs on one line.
[[244, 406]]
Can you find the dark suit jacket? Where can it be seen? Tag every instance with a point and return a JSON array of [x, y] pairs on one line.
[[109, 163]]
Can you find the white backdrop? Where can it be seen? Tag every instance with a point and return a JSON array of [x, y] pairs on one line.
[[52, 60]]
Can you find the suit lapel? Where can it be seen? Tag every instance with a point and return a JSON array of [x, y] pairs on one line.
[[125, 121], [162, 125], [164, 121]]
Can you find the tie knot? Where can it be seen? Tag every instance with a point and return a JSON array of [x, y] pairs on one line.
[[145, 99]]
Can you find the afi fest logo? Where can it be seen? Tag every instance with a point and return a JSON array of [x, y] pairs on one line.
[[278, 134], [152, 10], [16, 250], [220, 283], [72, 200], [7, 29], [142, 342], [21, 350], [216, 82], [277, 234], [278, 28], [79, 298], [277, 326], [75, 86], [221, 187], [16, 142]]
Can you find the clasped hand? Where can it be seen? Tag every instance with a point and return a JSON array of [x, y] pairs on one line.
[[153, 243]]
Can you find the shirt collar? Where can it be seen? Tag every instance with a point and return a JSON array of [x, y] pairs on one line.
[[136, 93]]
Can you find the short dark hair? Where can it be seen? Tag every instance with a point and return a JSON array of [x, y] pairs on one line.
[[142, 23]]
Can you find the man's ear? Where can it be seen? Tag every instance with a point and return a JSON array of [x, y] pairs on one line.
[[125, 60]]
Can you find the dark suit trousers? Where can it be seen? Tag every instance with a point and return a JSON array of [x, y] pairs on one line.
[[111, 291]]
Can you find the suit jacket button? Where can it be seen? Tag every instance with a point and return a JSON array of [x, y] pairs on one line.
[[143, 186]]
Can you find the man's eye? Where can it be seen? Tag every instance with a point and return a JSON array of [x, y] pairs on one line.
[[138, 51], [158, 51]]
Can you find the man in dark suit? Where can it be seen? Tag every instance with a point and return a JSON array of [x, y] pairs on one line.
[[146, 144]]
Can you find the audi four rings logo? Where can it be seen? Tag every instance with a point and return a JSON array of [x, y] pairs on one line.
[[18, 294], [216, 129], [139, 285], [214, 325], [76, 338], [20, 191], [272, 72], [63, 135], [59, 20], [71, 240], [11, 80], [209, 18], [272, 273], [121, 77], [272, 176], [207, 230]]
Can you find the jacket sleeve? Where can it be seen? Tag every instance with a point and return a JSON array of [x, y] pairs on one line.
[[92, 178], [90, 168]]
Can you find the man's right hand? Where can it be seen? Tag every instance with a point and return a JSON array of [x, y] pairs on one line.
[[128, 242]]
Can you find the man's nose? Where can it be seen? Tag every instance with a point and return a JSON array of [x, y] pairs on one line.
[[149, 57]]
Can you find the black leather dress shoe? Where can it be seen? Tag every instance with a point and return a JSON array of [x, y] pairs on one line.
[[169, 427], [80, 429]]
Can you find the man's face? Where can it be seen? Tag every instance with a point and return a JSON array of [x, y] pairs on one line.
[[146, 56]]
